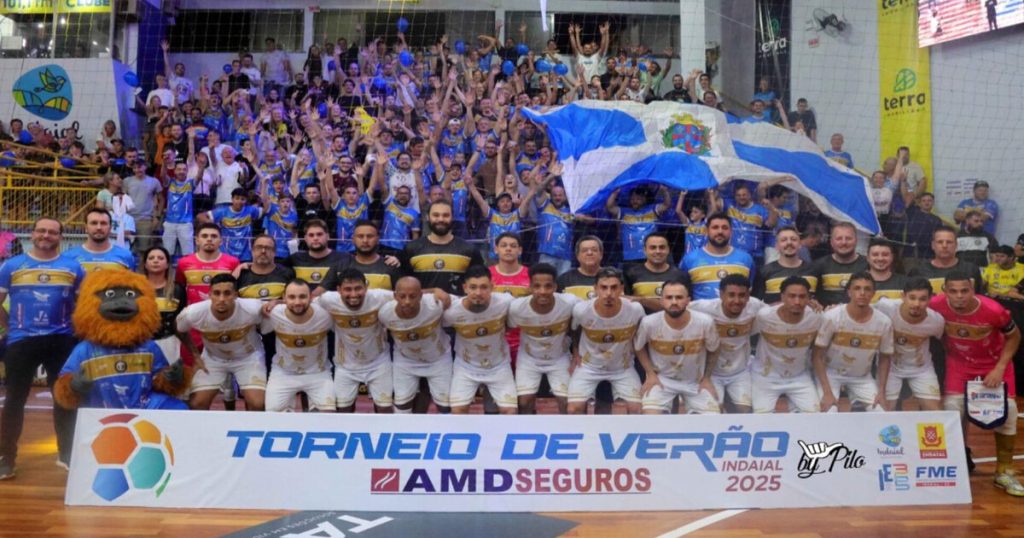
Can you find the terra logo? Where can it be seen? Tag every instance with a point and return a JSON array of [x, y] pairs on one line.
[[903, 97], [44, 91], [132, 454]]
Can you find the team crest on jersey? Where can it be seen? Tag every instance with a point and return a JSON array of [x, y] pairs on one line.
[[591, 294], [677, 349], [791, 342], [901, 340], [300, 342], [206, 279], [608, 338], [316, 276], [414, 336], [962, 332], [722, 273], [657, 291], [264, 292], [481, 331], [120, 366], [843, 283], [439, 264], [731, 331], [688, 134], [224, 339], [354, 322], [546, 332], [855, 342], [44, 278]]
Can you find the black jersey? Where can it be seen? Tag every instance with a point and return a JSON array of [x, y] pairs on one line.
[[379, 275], [440, 265], [937, 276], [768, 285], [642, 282], [264, 287], [315, 270], [891, 288], [578, 284], [170, 307], [832, 277]]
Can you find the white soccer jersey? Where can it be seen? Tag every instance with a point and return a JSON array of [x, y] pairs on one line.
[[480, 336], [852, 346], [607, 343], [301, 347], [544, 337], [678, 354], [234, 338], [359, 338], [734, 333], [911, 352], [784, 349], [420, 338]]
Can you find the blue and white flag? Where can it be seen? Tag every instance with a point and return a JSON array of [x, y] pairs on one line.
[[609, 145]]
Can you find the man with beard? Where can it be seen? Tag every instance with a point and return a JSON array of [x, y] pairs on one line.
[[881, 255], [833, 271], [231, 344], [543, 318], [422, 349], [554, 220], [265, 280], [677, 349], [603, 330], [97, 252], [439, 259], [363, 354], [973, 243], [317, 264], [770, 277], [382, 272], [300, 360], [750, 221], [944, 245], [716, 259], [350, 207], [638, 220], [783, 358], [734, 313], [401, 221], [644, 282]]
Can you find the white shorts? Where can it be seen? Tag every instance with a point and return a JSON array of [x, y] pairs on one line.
[[529, 372], [499, 381], [250, 373], [800, 390], [407, 375], [862, 389], [737, 386], [282, 388], [379, 382], [924, 385], [955, 402], [625, 384], [697, 401]]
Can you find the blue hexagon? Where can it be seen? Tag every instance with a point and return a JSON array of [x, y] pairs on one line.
[[146, 467], [110, 483]]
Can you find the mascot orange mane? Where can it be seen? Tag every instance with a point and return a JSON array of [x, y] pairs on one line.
[[117, 364]]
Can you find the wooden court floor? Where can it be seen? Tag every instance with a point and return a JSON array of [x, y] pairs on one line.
[[32, 505]]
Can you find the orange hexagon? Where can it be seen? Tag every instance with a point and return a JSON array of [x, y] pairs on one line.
[[113, 445]]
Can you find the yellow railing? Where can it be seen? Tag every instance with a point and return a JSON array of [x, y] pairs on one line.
[[34, 182]]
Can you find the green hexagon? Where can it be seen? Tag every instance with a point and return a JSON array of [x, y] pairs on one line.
[[146, 467]]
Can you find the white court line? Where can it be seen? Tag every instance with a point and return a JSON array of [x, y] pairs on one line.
[[701, 523], [990, 460]]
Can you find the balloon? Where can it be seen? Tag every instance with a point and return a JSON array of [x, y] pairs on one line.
[[562, 69], [523, 49], [403, 24], [405, 57], [542, 66], [131, 79], [380, 83], [25, 137], [460, 46], [227, 68], [331, 65], [643, 67], [7, 159], [508, 67], [68, 162], [322, 110]]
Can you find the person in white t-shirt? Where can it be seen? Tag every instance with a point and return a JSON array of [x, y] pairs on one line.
[[230, 175], [850, 338], [182, 87], [231, 344], [590, 55], [276, 68], [250, 70], [913, 326], [300, 362], [782, 362]]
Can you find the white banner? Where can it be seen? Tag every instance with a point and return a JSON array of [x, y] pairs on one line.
[[436, 463]]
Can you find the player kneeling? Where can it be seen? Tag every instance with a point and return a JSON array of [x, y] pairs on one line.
[[300, 361], [913, 325], [673, 346], [783, 358]]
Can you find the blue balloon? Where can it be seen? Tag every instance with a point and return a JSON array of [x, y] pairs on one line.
[[331, 65], [7, 159], [460, 46], [406, 58], [542, 66], [562, 69], [322, 110], [227, 68], [508, 68], [403, 24], [523, 49], [131, 79], [68, 162], [25, 137], [643, 67], [380, 83]]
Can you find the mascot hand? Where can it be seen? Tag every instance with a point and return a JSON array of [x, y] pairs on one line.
[[81, 383], [175, 375]]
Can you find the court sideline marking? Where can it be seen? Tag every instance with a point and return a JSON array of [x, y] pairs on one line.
[[701, 523]]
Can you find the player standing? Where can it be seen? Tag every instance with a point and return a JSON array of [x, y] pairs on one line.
[[783, 358], [913, 325], [300, 357]]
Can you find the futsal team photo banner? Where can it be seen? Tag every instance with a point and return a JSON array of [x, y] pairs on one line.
[[444, 463]]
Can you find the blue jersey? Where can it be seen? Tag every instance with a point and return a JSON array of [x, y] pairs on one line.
[[499, 223], [179, 202], [42, 295], [786, 218], [696, 235], [307, 177], [748, 227], [114, 257], [636, 225], [841, 157], [985, 206], [122, 376], [525, 163], [236, 229], [460, 200], [555, 233], [706, 270], [767, 98], [399, 222], [450, 144], [347, 218], [282, 228]]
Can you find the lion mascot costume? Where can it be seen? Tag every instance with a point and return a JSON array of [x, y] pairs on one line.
[[117, 364]]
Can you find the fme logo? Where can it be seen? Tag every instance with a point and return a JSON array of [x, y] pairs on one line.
[[133, 454], [44, 91]]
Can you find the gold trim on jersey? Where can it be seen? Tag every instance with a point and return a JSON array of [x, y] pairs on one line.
[[732, 330], [513, 290], [202, 277], [313, 275], [857, 340], [416, 334], [263, 290], [439, 262], [554, 328], [164, 304], [648, 289], [891, 294], [300, 341], [967, 332], [754, 219], [228, 336], [480, 330], [714, 273], [937, 284], [834, 281], [584, 292], [790, 341], [355, 321], [46, 277], [118, 364], [236, 222], [774, 285], [610, 336], [379, 281], [907, 339], [99, 265], [677, 347]]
